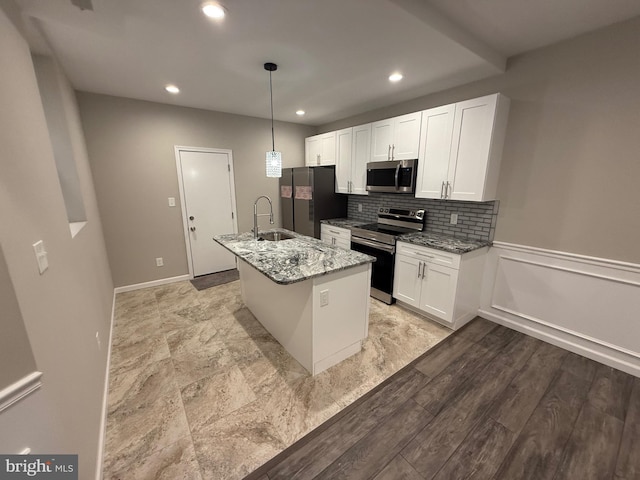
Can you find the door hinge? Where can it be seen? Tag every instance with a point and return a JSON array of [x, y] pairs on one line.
[[231, 214], [228, 168]]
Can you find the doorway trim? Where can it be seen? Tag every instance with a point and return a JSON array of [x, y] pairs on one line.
[[185, 223]]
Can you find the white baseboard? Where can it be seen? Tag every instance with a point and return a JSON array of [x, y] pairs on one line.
[[105, 398], [153, 283], [20, 389], [584, 304]]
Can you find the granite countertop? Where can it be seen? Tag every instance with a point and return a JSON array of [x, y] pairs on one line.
[[440, 241], [292, 260], [344, 222]]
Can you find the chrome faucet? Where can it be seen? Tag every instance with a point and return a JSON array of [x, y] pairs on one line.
[[256, 215]]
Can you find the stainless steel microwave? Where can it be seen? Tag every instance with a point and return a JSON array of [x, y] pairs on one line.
[[397, 176]]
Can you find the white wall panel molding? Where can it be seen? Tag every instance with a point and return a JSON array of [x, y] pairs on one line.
[[154, 283], [20, 389], [584, 304]]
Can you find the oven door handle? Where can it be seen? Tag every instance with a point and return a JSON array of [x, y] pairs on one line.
[[397, 175], [369, 243]]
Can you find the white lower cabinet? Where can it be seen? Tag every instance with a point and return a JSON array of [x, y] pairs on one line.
[[441, 285], [336, 236]]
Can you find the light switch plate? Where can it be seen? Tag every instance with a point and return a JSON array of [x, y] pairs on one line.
[[41, 256], [172, 201], [454, 219], [324, 298]]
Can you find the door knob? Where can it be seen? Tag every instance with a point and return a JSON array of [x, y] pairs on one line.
[[192, 217], [193, 229]]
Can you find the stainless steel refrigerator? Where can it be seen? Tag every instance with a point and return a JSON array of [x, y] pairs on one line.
[[307, 195]]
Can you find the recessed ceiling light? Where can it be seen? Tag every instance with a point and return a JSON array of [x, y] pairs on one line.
[[300, 112], [395, 77], [213, 10], [172, 89]]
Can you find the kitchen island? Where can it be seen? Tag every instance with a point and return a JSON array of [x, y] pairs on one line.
[[312, 297]]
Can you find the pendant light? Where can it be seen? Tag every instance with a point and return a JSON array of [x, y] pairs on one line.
[[274, 159]]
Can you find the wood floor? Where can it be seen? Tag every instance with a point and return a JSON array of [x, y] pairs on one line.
[[486, 403]]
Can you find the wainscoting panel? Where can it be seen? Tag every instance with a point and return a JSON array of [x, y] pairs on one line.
[[587, 305], [19, 390]]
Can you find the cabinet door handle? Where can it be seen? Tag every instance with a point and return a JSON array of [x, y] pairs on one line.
[[393, 151], [419, 265], [447, 191], [424, 267], [389, 153], [442, 190], [318, 159], [333, 241]]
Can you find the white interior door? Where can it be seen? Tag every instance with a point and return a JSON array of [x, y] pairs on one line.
[[208, 205]]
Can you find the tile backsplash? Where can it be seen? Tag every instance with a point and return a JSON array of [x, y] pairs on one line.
[[476, 220]]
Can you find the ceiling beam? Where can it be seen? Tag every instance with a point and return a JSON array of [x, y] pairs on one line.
[[428, 14]]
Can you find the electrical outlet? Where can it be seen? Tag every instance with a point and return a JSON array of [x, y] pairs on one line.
[[324, 298], [360, 207], [454, 219], [159, 262], [172, 201]]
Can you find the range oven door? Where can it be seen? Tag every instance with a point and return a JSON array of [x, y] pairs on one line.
[[382, 268]]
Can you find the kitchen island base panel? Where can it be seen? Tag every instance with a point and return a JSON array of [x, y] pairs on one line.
[[317, 334]]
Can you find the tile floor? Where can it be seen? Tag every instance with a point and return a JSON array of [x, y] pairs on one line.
[[199, 390]]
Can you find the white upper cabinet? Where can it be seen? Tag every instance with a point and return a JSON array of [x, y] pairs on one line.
[[406, 136], [351, 162], [470, 135], [320, 149], [343, 160], [435, 150], [312, 151], [396, 138], [361, 155], [381, 138]]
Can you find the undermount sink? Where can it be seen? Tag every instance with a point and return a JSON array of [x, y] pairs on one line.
[[274, 236]]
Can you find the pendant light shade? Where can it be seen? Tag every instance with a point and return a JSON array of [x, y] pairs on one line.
[[274, 159], [274, 164]]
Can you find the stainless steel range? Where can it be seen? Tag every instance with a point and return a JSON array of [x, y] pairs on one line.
[[379, 240]]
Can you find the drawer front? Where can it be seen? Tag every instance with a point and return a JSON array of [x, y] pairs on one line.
[[342, 243], [337, 232], [437, 257]]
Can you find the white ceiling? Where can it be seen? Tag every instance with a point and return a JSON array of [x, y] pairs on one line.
[[334, 56]]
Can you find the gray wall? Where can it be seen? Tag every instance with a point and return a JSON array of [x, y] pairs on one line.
[[63, 309], [131, 149], [16, 356], [571, 167]]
